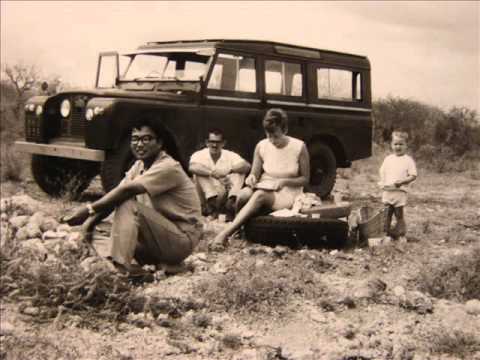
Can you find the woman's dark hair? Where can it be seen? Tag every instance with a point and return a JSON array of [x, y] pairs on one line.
[[169, 143], [275, 118]]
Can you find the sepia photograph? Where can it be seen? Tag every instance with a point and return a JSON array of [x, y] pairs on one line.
[[239, 180]]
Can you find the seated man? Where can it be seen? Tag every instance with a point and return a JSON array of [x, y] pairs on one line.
[[157, 216], [219, 175]]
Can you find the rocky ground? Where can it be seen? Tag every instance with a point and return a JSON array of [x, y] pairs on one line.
[[417, 300]]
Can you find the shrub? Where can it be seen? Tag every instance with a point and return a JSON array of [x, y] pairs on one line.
[[452, 342], [458, 278], [11, 163]]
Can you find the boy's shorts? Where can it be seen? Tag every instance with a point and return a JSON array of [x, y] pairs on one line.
[[396, 198]]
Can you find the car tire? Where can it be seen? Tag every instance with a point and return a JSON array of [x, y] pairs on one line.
[[297, 231], [61, 176], [116, 164], [323, 169]]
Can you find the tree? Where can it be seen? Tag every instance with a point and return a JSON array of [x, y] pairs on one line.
[[22, 78]]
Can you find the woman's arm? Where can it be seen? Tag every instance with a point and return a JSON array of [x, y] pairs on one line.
[[304, 176], [257, 166]]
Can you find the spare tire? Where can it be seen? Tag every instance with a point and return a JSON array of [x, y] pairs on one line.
[[323, 169], [297, 231]]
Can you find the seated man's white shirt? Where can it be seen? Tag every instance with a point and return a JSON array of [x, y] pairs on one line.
[[226, 162]]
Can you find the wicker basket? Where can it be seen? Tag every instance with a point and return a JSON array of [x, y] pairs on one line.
[[372, 223]]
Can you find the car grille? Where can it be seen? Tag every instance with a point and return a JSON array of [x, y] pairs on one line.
[[32, 127], [74, 124]]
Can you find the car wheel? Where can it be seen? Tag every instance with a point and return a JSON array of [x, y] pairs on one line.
[[63, 177], [297, 231], [323, 169], [116, 164]]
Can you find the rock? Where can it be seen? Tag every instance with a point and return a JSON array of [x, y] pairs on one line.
[[35, 245], [50, 234], [25, 205], [398, 291], [333, 252], [472, 307], [280, 250], [6, 329], [33, 230], [416, 301], [31, 310], [19, 221], [37, 218], [49, 223], [259, 263], [64, 227], [21, 234]]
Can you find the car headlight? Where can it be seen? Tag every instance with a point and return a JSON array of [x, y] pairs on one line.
[[30, 107], [89, 114], [39, 110], [98, 110], [65, 108]]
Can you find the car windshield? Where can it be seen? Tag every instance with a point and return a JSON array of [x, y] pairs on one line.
[[166, 66]]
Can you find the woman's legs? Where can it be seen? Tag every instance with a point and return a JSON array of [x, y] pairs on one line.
[[258, 200]]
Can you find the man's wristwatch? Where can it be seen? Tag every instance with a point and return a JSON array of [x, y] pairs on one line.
[[91, 210]]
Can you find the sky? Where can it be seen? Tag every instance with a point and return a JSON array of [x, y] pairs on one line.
[[425, 51]]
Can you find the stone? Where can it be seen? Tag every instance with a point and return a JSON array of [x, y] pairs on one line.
[[19, 221], [472, 307], [35, 245], [64, 227], [33, 230], [21, 234], [6, 328], [49, 223], [37, 218], [31, 310], [25, 204], [416, 301], [280, 250], [398, 291]]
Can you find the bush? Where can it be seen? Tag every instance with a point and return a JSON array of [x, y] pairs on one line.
[[457, 342], [456, 279], [11, 163]]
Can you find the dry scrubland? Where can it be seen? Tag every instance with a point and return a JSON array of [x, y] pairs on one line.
[[398, 301]]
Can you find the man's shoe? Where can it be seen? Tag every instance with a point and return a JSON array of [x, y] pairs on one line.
[[135, 273]]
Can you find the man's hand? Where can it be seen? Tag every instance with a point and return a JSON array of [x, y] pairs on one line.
[[77, 217], [398, 183], [251, 180], [220, 173]]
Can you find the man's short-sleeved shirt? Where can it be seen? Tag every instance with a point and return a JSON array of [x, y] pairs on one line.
[[227, 160], [169, 190]]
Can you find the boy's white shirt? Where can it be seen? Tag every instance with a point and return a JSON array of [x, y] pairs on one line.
[[396, 168]]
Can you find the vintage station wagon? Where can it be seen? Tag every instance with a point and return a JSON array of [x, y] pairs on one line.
[[192, 86]]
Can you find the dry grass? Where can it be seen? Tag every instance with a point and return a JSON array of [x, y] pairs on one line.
[[458, 343], [457, 278]]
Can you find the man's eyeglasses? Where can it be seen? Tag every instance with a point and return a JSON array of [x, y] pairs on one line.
[[144, 139]]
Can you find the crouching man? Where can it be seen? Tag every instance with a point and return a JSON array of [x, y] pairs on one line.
[[219, 175], [157, 217]]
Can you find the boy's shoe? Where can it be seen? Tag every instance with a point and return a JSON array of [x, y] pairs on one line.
[[402, 240]]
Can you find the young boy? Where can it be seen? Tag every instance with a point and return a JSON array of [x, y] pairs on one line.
[[397, 171]]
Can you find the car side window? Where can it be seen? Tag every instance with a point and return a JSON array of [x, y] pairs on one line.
[[233, 73], [283, 78], [339, 84]]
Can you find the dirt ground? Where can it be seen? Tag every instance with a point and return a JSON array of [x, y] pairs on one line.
[[257, 302]]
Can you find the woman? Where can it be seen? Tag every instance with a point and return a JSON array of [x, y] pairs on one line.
[[280, 170]]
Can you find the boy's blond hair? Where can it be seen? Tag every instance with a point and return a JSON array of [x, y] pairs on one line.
[[402, 135]]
